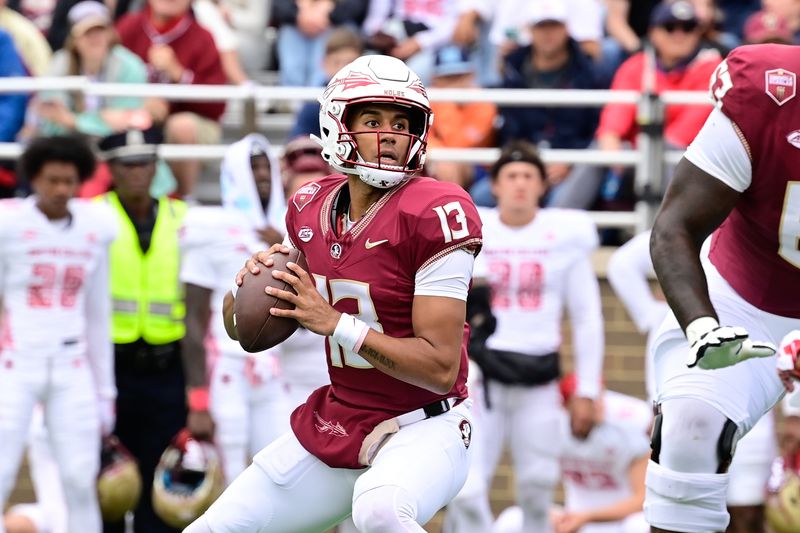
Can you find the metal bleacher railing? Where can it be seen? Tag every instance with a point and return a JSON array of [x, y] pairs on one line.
[[648, 157]]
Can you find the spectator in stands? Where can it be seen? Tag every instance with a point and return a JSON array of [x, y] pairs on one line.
[[210, 16], [553, 60], [302, 162], [249, 20], [765, 27], [735, 13], [177, 49], [303, 29], [29, 41], [681, 64], [410, 30], [91, 50], [343, 46], [787, 9], [458, 125], [710, 17], [37, 11], [12, 109]]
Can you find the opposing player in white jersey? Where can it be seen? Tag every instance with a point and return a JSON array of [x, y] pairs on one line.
[[537, 262], [246, 396], [603, 474], [57, 350], [629, 270]]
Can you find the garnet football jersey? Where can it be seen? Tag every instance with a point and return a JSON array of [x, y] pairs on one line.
[[757, 248], [369, 272], [46, 270]]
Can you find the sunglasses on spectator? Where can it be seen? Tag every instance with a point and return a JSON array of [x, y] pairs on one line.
[[685, 27]]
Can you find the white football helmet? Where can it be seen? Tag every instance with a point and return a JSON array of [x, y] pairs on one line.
[[187, 480], [373, 79]]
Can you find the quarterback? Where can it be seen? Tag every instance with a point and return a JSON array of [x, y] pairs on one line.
[[390, 258]]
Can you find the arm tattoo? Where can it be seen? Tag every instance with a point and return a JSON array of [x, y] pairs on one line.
[[378, 357]]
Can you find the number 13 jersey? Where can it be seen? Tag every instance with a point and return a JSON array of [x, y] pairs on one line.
[[369, 271]]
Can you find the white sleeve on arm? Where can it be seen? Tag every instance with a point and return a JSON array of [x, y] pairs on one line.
[[719, 151], [448, 276], [197, 268], [586, 322], [98, 336], [628, 272]]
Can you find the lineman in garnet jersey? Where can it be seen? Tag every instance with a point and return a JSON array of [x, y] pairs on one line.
[[714, 354], [57, 350], [390, 258], [629, 270]]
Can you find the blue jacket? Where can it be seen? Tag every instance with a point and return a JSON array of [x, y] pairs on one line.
[[12, 106], [568, 127]]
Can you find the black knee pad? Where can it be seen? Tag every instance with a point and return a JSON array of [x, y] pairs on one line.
[[655, 435], [726, 445]]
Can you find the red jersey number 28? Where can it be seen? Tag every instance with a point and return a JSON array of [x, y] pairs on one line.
[[48, 288]]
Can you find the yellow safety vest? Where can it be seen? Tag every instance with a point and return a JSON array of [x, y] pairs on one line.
[[145, 287]]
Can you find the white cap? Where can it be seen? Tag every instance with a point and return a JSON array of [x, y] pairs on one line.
[[547, 10]]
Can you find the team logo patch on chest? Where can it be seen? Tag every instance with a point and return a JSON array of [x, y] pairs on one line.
[[305, 234], [780, 85], [305, 194], [336, 250]]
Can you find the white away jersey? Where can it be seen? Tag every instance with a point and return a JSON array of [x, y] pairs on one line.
[[47, 271], [215, 243], [529, 269], [595, 470]]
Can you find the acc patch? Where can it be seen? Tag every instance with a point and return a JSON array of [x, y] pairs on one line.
[[305, 234], [305, 194], [780, 85], [466, 432]]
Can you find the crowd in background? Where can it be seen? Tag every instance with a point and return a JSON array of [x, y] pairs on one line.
[[536, 44], [543, 44]]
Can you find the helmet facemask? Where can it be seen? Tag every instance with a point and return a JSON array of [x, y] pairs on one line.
[[379, 81]]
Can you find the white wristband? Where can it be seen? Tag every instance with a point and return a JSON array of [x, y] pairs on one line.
[[699, 327], [350, 332]]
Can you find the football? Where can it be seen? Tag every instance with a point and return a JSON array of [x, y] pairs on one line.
[[256, 328]]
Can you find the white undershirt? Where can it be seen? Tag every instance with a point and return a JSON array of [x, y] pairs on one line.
[[718, 150]]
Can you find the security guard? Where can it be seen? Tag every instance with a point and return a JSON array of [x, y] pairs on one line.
[[148, 313]]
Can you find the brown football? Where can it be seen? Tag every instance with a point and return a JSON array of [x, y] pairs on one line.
[[256, 328]]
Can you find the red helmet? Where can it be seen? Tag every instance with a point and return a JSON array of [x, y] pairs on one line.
[[187, 480]]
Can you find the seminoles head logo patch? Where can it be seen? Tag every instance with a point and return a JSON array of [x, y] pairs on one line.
[[305, 194], [466, 432], [781, 85]]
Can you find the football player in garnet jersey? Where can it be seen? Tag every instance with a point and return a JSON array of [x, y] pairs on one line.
[[713, 355], [57, 349], [390, 258], [629, 269]]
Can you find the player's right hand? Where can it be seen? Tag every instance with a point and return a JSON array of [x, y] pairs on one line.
[[787, 360], [260, 257], [713, 346]]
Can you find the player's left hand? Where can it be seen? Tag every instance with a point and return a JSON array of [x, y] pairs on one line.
[[787, 360], [569, 523], [713, 346], [310, 308]]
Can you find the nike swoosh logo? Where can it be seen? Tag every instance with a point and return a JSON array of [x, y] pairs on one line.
[[369, 245]]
